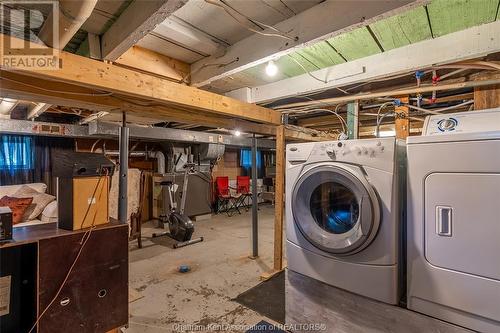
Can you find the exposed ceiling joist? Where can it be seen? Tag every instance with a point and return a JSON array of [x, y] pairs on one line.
[[140, 18], [191, 37], [471, 43], [37, 109], [318, 23], [109, 79], [154, 63]]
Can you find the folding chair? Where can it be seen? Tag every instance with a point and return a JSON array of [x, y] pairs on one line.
[[224, 198], [243, 189]]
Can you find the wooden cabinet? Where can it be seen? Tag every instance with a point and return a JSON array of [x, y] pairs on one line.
[[95, 295]]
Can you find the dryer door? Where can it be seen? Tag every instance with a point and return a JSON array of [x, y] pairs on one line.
[[336, 209]]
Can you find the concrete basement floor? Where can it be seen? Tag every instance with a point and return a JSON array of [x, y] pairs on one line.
[[220, 270]]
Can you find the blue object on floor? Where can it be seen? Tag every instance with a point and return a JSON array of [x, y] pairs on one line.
[[264, 327], [184, 268]]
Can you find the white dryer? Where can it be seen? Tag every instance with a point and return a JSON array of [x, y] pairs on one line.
[[342, 214], [454, 219]]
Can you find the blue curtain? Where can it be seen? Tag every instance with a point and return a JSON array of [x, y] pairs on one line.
[[29, 159], [246, 163], [246, 158], [16, 153], [16, 159]]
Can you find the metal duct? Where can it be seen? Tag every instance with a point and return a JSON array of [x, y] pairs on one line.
[[106, 130], [101, 129], [72, 15], [211, 151]]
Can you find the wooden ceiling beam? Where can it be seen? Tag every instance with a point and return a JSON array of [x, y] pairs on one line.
[[81, 71], [138, 19], [16, 86], [154, 63]]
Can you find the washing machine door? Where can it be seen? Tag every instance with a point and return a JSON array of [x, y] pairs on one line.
[[336, 209]]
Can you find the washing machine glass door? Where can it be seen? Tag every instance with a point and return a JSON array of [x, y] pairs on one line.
[[336, 209]]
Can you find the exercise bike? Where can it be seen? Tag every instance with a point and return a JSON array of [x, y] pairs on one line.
[[180, 226]]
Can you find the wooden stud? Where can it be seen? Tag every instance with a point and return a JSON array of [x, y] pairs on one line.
[[279, 191], [94, 46], [487, 97], [402, 120], [279, 205], [353, 120]]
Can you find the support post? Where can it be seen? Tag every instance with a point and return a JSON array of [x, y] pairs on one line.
[[402, 120], [122, 186], [279, 205], [353, 120], [255, 202], [279, 191]]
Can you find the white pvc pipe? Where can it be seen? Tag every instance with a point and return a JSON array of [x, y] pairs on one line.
[[160, 160]]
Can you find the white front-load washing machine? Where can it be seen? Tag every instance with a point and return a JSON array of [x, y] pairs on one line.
[[343, 214], [454, 219]]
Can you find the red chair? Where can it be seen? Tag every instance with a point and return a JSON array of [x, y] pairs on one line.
[[243, 189], [225, 201]]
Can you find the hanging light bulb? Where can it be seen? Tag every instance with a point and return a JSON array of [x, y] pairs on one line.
[[271, 68], [237, 133]]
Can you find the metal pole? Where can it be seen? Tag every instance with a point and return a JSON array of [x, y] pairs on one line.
[[122, 186], [255, 204]]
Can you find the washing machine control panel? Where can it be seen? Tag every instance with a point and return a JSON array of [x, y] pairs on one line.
[[377, 153], [338, 150]]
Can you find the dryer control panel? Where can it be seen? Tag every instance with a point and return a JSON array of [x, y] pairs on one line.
[[463, 122]]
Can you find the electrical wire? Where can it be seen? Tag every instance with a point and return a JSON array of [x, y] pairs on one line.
[[427, 111], [438, 111], [378, 113], [444, 76], [225, 7], [83, 242], [219, 65], [484, 65], [306, 130], [325, 81], [343, 123]]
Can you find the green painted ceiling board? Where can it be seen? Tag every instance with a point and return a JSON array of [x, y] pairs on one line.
[[448, 16], [321, 54], [290, 68], [259, 72], [404, 29], [355, 44]]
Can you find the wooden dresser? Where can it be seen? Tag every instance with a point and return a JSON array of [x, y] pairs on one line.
[[95, 295]]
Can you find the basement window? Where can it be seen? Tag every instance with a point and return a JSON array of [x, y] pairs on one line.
[[246, 158], [16, 152]]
